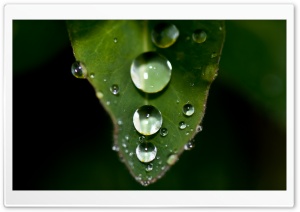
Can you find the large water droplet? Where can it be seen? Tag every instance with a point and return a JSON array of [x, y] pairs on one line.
[[147, 120], [164, 35], [172, 159], [188, 109], [150, 72], [199, 36], [182, 125], [163, 132], [149, 167], [78, 70], [114, 89], [146, 152]]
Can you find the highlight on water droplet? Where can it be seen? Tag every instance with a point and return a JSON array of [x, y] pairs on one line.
[[190, 145], [99, 95], [115, 148], [78, 70], [115, 40], [199, 36], [92, 75], [163, 132], [188, 109], [149, 167], [146, 152], [164, 35], [147, 120], [182, 125], [147, 78], [114, 89], [172, 159]]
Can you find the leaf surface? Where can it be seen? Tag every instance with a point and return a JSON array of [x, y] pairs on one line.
[[107, 50]]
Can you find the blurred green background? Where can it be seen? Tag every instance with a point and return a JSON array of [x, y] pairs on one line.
[[62, 137]]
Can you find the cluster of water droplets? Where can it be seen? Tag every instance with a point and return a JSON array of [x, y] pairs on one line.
[[150, 72]]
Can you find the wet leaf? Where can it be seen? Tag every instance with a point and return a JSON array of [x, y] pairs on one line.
[[107, 49]]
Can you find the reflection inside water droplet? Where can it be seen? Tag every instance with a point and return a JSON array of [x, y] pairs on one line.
[[199, 36], [164, 35], [78, 70], [146, 152]]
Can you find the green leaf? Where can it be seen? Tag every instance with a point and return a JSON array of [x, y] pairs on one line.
[[107, 50]]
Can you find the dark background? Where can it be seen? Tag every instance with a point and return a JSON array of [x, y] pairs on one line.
[[62, 137]]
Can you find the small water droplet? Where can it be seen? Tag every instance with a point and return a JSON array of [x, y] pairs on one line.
[[126, 151], [164, 35], [92, 75], [99, 95], [160, 162], [163, 132], [145, 183], [190, 145], [104, 80], [120, 122], [192, 84], [166, 145], [127, 137], [199, 128], [142, 139], [214, 54], [149, 178], [78, 70], [199, 36], [147, 120], [163, 167], [172, 159], [188, 38], [108, 102], [115, 40], [114, 89], [177, 101], [124, 145], [182, 125], [146, 152], [187, 133], [220, 28], [131, 154], [149, 167], [188, 109], [157, 157], [148, 79], [115, 148]]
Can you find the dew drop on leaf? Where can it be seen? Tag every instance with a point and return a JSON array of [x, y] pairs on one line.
[[147, 120], [164, 35], [182, 125], [78, 70], [199, 36], [146, 152], [188, 109], [150, 72]]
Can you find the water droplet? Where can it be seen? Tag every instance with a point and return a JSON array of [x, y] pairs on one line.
[[214, 54], [190, 145], [78, 70], [166, 145], [120, 122], [145, 183], [149, 178], [146, 152], [148, 79], [188, 109], [104, 80], [108, 102], [142, 139], [124, 145], [163, 167], [157, 157], [187, 133], [115, 40], [182, 125], [160, 162], [99, 95], [199, 128], [172, 159], [192, 84], [199, 36], [220, 28], [127, 137], [164, 35], [188, 38], [114, 89], [149, 167], [115, 148], [147, 120], [126, 151], [92, 75], [177, 101], [131, 154], [163, 131]]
